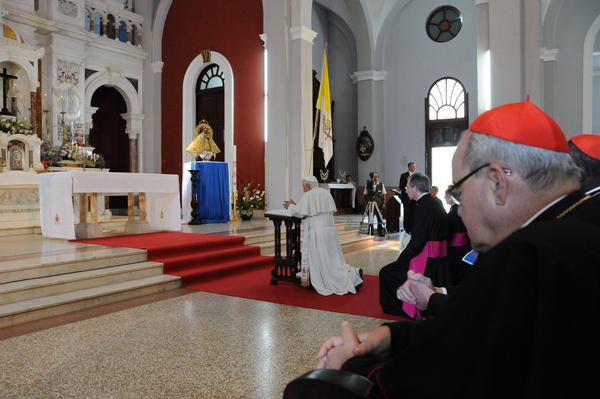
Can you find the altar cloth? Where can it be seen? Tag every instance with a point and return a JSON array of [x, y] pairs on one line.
[[344, 186], [212, 189], [56, 191]]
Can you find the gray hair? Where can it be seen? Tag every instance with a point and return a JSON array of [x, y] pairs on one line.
[[420, 181], [538, 167]]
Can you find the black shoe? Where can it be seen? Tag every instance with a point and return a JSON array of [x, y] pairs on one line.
[[358, 287]]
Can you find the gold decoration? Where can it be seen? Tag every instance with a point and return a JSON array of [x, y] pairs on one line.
[[324, 174], [234, 218], [203, 145], [205, 55]]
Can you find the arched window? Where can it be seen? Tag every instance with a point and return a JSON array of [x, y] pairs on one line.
[[210, 103], [446, 115], [211, 77], [110, 26], [446, 100], [86, 15], [134, 35], [123, 32], [97, 23]]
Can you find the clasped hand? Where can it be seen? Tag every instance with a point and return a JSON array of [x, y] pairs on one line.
[[416, 290], [336, 350]]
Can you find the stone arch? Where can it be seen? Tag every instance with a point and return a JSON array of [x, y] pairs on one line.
[[157, 32], [189, 103], [129, 93], [24, 64], [133, 116], [588, 61]]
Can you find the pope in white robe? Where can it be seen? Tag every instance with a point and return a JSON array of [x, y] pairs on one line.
[[321, 250]]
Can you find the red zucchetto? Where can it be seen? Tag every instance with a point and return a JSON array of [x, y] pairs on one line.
[[522, 123], [589, 144]]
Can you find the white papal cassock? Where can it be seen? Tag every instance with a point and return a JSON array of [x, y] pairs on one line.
[[321, 250]]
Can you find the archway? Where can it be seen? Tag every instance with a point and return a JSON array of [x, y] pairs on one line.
[[109, 137], [446, 116]]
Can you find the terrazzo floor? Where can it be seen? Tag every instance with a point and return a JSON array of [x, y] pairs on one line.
[[180, 344]]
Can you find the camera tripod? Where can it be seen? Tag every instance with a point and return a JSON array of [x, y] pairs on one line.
[[369, 212]]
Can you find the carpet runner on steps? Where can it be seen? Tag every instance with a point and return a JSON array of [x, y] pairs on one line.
[[224, 265], [194, 257]]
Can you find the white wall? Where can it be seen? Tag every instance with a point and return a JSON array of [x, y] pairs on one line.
[[341, 62], [413, 62], [565, 27]]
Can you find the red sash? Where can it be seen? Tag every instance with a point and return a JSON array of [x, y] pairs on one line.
[[433, 249], [458, 240]]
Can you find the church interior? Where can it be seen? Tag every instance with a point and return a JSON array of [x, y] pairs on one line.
[[127, 88]]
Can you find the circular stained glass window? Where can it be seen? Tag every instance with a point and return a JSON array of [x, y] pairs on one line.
[[443, 24]]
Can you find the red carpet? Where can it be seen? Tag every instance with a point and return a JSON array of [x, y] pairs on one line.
[[224, 265]]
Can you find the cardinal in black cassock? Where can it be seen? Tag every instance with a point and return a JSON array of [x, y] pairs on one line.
[[524, 322], [458, 245], [426, 253], [520, 324]]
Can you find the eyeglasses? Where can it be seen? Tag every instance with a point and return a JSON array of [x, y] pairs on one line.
[[455, 196]]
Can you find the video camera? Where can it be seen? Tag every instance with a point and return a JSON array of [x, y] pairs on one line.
[[370, 187]]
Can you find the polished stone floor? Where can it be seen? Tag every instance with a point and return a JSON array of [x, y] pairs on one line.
[[179, 344]]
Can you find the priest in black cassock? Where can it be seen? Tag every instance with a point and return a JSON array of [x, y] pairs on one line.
[[458, 243], [426, 253], [524, 322], [407, 203]]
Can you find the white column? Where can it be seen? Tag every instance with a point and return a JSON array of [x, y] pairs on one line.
[[505, 22], [289, 103], [275, 21], [483, 58], [370, 115]]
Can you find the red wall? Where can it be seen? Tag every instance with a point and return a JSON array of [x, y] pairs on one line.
[[231, 28]]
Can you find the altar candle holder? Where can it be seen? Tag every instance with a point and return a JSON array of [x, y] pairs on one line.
[[194, 203]]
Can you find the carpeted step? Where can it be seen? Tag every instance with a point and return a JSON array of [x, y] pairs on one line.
[[160, 246], [205, 256], [215, 270]]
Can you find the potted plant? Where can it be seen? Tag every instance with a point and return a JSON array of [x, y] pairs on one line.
[[250, 197]]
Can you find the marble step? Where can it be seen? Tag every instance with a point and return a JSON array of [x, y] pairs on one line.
[[350, 241], [108, 225], [54, 305], [27, 266], [45, 286], [16, 231]]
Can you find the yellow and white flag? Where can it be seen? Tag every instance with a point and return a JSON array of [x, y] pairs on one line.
[[324, 104]]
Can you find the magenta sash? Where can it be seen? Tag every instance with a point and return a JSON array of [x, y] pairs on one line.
[[433, 249], [459, 240]]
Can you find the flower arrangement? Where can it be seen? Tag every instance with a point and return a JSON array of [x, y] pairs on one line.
[[53, 156], [16, 126], [250, 196]]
